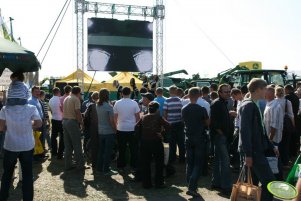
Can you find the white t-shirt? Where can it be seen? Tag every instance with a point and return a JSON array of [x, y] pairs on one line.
[[185, 101], [18, 136], [55, 107], [205, 104], [126, 110]]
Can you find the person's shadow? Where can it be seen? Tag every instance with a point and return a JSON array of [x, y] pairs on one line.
[[111, 186], [74, 183], [55, 166]]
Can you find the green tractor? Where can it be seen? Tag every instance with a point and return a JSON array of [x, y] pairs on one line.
[[240, 77]]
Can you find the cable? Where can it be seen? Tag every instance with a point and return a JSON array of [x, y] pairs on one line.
[[208, 37], [52, 27], [56, 31]]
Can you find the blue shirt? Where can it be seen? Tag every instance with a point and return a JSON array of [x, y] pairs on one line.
[[160, 100], [35, 102]]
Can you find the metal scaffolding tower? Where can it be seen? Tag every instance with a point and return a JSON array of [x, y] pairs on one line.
[[157, 13]]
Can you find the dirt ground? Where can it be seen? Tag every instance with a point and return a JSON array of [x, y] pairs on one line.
[[52, 183]]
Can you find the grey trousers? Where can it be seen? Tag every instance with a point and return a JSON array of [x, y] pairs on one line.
[[72, 141]]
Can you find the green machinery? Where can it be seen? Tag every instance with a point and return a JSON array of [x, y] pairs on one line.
[[241, 77]]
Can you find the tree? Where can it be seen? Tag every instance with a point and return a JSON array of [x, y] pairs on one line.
[[196, 76]]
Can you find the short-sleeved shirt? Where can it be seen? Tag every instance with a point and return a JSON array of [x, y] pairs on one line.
[[160, 100], [71, 104], [126, 110], [55, 107], [19, 119], [104, 113], [173, 106], [194, 117]]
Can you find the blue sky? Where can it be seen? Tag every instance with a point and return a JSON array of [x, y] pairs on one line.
[[201, 36]]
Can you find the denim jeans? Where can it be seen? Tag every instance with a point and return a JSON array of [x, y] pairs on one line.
[[221, 173], [16, 101], [9, 162], [72, 141], [2, 136], [106, 145], [177, 137], [284, 148], [196, 157]]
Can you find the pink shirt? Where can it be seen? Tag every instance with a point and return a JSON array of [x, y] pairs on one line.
[[62, 98]]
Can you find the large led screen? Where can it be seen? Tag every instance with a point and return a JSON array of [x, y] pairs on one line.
[[125, 46]]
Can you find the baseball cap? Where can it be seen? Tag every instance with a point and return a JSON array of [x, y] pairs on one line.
[[148, 95]]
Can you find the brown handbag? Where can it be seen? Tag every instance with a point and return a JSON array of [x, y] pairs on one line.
[[242, 191]]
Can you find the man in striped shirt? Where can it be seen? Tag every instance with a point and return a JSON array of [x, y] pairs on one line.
[[172, 113]]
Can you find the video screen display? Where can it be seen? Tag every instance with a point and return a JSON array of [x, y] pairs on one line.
[[125, 46]]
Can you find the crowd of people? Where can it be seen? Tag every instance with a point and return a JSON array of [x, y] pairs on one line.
[[254, 126]]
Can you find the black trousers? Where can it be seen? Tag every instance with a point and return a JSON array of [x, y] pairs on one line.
[[124, 139], [150, 149], [9, 162], [57, 131]]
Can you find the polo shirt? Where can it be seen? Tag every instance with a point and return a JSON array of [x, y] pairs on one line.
[[71, 104]]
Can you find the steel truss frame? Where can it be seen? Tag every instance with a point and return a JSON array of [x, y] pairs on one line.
[[157, 13]]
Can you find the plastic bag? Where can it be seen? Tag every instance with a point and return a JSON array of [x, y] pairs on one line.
[[38, 148]]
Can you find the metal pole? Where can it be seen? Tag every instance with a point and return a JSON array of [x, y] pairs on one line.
[[11, 29], [159, 16], [80, 10]]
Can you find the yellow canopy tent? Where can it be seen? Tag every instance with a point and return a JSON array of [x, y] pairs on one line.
[[72, 78], [123, 79]]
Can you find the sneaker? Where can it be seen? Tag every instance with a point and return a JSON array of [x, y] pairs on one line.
[[110, 173], [193, 193]]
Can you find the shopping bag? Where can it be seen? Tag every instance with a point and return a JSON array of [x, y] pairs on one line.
[[166, 153], [242, 191], [292, 176], [38, 148]]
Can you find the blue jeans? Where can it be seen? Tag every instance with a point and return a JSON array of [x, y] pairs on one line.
[[16, 101], [177, 137], [106, 145], [9, 162], [2, 136], [196, 157], [222, 173]]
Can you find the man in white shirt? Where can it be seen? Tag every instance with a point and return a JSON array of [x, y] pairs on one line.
[[18, 121], [273, 121], [202, 102], [126, 115], [56, 122]]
